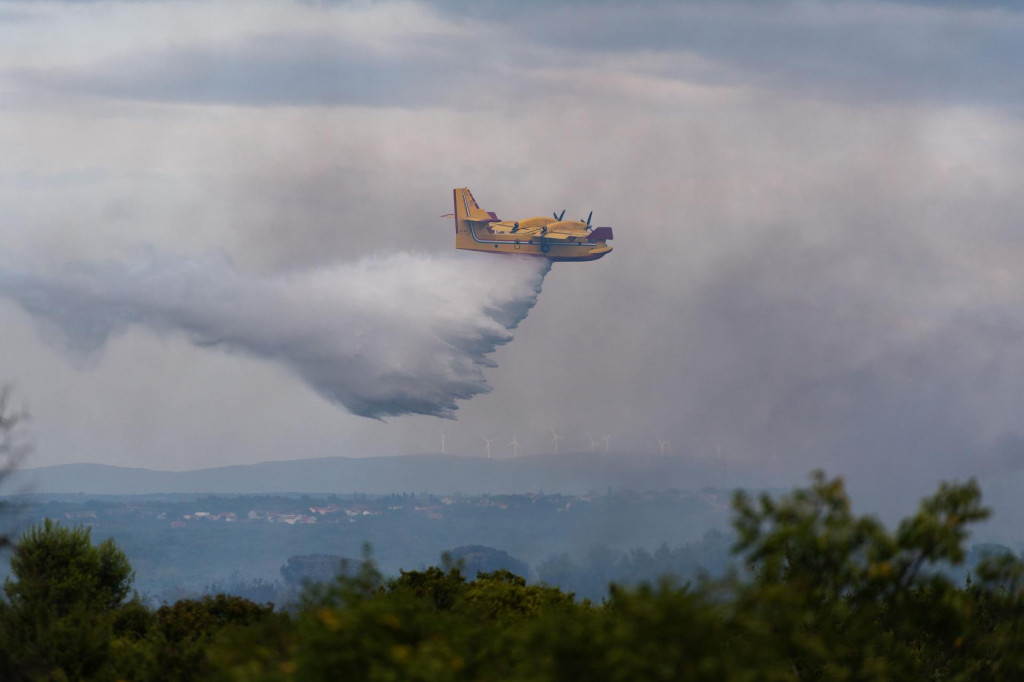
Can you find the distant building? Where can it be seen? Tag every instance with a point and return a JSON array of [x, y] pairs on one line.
[[292, 519]]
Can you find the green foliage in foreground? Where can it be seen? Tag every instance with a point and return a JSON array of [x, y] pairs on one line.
[[823, 595]]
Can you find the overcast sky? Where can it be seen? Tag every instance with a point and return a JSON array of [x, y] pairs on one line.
[[816, 209]]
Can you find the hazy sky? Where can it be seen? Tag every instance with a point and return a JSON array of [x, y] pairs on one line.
[[816, 209]]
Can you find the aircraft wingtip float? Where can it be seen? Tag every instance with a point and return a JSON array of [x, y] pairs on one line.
[[555, 239]]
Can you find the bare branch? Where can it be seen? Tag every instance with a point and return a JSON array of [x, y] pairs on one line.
[[13, 448]]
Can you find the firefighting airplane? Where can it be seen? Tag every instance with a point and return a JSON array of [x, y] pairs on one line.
[[557, 240]]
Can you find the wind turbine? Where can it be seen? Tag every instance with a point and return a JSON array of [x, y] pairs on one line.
[[555, 438], [488, 441], [442, 443], [593, 443], [661, 446], [607, 443], [515, 445]]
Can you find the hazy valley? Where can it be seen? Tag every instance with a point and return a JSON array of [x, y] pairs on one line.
[[183, 541]]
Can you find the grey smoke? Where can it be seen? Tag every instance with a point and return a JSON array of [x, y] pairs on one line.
[[384, 336]]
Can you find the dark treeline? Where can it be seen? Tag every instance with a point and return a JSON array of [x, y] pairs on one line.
[[587, 574], [590, 574], [820, 594]]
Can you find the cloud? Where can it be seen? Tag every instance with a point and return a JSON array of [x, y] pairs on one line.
[[385, 336], [455, 54], [295, 69], [816, 208], [884, 51]]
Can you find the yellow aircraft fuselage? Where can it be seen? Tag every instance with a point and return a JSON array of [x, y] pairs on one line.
[[551, 238]]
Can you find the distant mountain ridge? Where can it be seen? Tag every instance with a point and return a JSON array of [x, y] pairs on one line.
[[575, 473]]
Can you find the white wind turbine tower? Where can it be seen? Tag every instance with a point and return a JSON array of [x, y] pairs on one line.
[[661, 446], [442, 443], [555, 438], [593, 443], [607, 443], [488, 441], [515, 445]]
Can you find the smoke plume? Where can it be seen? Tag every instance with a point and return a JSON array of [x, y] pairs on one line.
[[384, 336]]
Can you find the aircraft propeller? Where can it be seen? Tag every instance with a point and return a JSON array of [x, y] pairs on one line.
[[559, 216]]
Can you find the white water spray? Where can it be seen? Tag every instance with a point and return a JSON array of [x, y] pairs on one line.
[[384, 336]]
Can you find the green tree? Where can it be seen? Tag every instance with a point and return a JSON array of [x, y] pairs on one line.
[[840, 597], [62, 604], [182, 633], [59, 568]]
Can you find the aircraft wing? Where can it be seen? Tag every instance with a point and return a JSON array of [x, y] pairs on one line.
[[557, 234], [530, 231], [567, 229]]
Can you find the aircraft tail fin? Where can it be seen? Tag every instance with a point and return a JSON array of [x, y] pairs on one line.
[[467, 210]]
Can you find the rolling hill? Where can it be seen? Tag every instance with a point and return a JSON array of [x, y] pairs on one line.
[[575, 473]]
